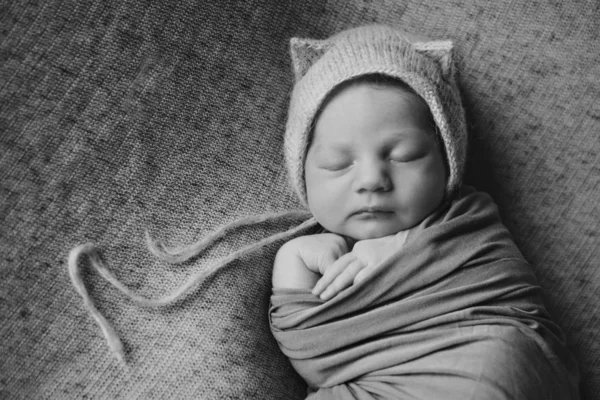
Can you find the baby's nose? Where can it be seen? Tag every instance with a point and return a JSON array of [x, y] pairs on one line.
[[372, 176]]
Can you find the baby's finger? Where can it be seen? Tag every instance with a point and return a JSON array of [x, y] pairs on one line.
[[343, 280], [332, 271], [362, 274]]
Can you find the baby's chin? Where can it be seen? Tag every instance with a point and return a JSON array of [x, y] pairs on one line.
[[356, 234]]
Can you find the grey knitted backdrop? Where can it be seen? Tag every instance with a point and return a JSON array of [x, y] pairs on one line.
[[117, 116]]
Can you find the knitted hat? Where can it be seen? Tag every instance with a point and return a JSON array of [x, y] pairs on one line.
[[424, 65]]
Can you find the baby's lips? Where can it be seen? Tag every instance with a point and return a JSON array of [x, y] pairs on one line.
[[372, 209]]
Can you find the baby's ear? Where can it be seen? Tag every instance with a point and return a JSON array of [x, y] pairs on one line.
[[441, 52], [305, 52]]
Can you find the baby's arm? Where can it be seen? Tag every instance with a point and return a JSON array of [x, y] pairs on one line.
[[300, 262]]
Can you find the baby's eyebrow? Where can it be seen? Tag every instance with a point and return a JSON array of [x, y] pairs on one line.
[[396, 137], [401, 134], [338, 147]]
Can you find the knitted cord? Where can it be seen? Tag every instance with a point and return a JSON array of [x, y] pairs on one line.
[[175, 255], [112, 339], [182, 254]]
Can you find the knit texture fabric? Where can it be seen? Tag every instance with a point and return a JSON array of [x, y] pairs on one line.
[[121, 116], [426, 66]]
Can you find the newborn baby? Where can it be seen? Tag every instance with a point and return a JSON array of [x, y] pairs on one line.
[[412, 288]]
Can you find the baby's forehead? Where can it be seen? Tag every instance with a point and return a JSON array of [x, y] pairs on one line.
[[371, 103], [376, 90]]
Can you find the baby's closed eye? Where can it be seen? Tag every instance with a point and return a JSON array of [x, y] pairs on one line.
[[334, 162], [407, 155], [409, 150]]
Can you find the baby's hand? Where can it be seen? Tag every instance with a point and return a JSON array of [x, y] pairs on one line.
[[320, 251], [301, 261], [353, 267]]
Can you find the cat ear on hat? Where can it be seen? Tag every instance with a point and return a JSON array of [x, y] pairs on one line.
[[305, 52], [442, 53]]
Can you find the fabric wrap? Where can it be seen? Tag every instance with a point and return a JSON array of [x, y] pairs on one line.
[[456, 313]]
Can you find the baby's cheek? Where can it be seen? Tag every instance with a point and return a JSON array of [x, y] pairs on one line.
[[430, 197], [329, 212]]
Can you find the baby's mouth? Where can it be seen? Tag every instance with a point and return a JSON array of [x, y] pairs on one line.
[[371, 211]]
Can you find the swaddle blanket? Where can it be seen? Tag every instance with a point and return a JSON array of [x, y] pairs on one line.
[[456, 313]]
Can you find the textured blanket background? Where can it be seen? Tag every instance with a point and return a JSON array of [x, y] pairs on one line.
[[116, 116]]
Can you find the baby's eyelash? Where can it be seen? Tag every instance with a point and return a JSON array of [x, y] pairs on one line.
[[337, 167]]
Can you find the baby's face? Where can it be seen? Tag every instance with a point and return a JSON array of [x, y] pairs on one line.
[[373, 167]]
